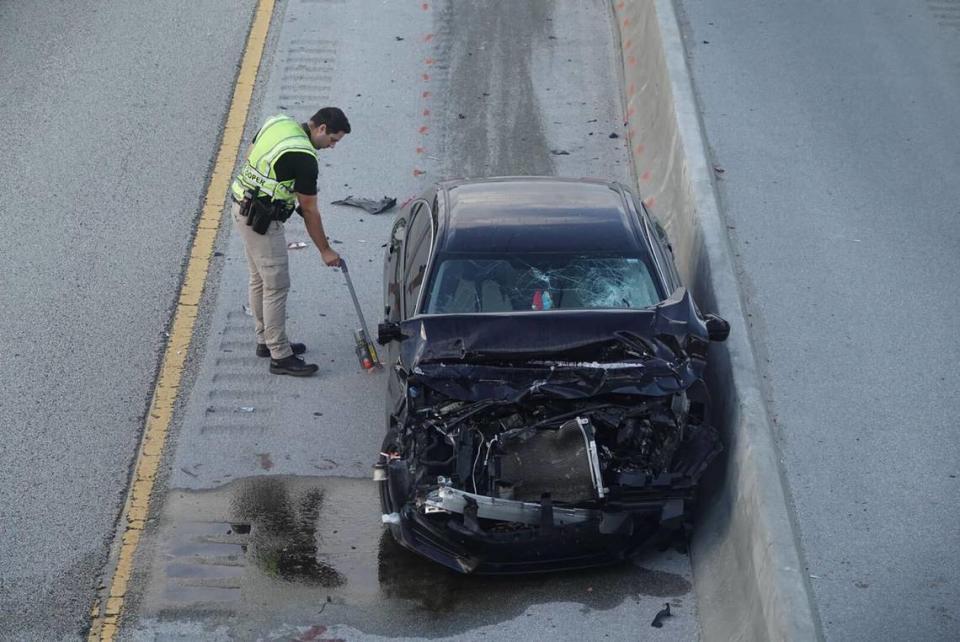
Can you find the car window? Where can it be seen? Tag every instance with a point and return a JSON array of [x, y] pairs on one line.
[[393, 272], [468, 284], [416, 255]]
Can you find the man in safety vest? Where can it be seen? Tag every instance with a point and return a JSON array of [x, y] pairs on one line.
[[281, 171]]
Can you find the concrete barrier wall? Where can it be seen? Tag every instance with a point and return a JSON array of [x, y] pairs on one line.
[[748, 573]]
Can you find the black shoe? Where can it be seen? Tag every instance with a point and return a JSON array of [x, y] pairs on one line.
[[264, 351], [292, 366]]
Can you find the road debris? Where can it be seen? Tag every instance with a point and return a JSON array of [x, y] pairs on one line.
[[661, 615], [296, 245], [559, 152], [246, 409], [368, 204], [266, 463]]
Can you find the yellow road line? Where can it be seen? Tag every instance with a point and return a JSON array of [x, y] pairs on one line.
[[105, 617]]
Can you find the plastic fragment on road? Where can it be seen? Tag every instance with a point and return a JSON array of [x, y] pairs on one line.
[[661, 615], [246, 409], [296, 245], [370, 205], [246, 310]]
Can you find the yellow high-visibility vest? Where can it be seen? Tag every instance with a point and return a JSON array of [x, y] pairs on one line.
[[279, 135]]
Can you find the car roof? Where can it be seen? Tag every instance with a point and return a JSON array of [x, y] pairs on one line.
[[530, 214]]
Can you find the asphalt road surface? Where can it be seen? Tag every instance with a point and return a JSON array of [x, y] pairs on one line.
[[265, 522], [110, 115], [835, 125], [269, 527]]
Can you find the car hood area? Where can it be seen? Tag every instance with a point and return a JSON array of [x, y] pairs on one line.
[[531, 442], [574, 334]]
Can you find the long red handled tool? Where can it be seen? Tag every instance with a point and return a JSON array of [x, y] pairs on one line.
[[366, 352]]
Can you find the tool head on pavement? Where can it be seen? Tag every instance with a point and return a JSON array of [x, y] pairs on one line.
[[363, 347]]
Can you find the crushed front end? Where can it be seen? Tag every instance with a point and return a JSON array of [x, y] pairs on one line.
[[527, 443]]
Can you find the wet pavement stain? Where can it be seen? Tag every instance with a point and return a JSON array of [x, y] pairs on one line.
[[315, 553], [203, 563], [285, 525], [405, 576]]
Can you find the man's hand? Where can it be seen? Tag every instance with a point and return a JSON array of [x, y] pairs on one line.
[[311, 220], [330, 257]]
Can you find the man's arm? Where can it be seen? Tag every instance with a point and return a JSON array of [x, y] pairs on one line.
[[311, 220]]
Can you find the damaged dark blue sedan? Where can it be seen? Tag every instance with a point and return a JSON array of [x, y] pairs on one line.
[[546, 403]]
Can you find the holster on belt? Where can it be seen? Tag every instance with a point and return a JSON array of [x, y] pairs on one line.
[[259, 214]]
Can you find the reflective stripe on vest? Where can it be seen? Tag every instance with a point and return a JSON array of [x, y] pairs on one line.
[[279, 135]]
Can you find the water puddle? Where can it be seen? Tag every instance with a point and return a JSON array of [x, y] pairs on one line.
[[283, 549]]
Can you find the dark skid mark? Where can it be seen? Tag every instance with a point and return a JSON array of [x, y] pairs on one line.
[[488, 46]]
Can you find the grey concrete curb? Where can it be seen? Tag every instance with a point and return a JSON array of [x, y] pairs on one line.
[[749, 575]]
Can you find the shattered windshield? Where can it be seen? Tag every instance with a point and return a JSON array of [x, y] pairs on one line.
[[491, 283]]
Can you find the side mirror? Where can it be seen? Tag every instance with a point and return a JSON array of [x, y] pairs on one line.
[[718, 329], [388, 331]]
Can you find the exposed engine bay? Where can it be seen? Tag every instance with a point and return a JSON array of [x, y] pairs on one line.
[[572, 451]]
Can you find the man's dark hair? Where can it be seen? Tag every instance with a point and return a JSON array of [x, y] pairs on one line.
[[334, 118]]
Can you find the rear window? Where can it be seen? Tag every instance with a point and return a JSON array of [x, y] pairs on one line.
[[467, 284]]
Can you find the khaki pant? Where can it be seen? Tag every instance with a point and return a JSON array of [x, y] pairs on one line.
[[269, 283]]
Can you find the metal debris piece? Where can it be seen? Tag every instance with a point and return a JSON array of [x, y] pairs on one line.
[[663, 613], [368, 204]]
